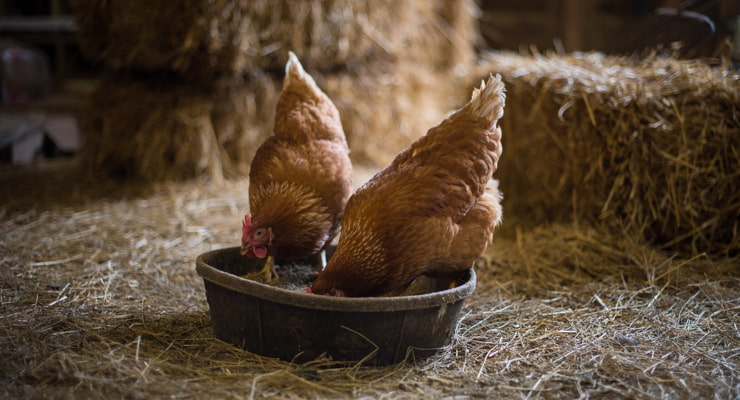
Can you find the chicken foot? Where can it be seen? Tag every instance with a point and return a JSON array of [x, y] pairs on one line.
[[267, 273]]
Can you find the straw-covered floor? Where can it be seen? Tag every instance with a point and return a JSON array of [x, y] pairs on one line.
[[99, 299]]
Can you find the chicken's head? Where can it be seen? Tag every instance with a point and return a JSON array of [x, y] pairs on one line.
[[255, 239]]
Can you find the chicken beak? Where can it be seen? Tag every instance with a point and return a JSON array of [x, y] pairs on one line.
[[246, 248]]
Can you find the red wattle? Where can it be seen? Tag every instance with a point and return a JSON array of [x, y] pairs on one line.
[[260, 251]]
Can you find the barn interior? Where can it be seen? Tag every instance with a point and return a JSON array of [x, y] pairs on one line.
[[127, 129]]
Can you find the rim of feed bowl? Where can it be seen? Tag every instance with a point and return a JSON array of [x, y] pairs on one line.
[[331, 303]]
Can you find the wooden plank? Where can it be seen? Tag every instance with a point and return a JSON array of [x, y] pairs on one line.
[[60, 24]]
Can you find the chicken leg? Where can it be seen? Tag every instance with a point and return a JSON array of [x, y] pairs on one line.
[[267, 272]]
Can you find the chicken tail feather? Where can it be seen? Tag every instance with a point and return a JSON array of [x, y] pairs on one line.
[[294, 72], [487, 102], [293, 67]]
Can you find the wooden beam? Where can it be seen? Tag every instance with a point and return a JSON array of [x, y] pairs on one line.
[[573, 23]]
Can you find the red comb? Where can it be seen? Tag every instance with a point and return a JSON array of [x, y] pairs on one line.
[[246, 227]]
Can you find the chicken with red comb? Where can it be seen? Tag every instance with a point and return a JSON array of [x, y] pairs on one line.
[[300, 177]]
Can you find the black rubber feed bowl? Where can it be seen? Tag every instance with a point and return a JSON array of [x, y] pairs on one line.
[[297, 326]]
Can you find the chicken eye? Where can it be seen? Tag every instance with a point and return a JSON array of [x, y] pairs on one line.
[[259, 232]]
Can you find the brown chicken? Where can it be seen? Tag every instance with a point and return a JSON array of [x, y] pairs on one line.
[[432, 211], [300, 178]]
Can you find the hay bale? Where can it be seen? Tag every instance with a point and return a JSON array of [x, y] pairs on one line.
[[651, 148], [205, 39], [447, 34], [384, 109], [386, 65], [212, 39], [157, 130]]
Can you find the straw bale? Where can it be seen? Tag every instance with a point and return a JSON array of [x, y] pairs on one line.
[[213, 39], [386, 108], [649, 147], [154, 129]]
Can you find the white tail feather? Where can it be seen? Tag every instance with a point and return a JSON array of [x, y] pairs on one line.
[[293, 66], [487, 102], [294, 71]]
